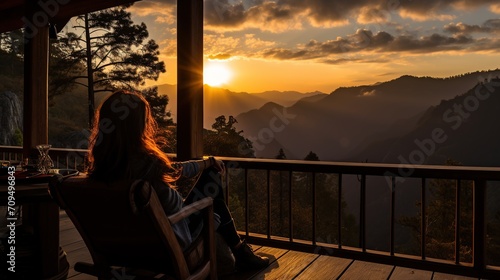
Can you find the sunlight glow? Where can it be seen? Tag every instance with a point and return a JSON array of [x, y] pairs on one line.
[[216, 73]]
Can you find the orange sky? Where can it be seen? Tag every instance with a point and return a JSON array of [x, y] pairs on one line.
[[322, 45]]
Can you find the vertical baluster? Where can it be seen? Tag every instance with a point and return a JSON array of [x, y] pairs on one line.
[[313, 208], [247, 220], [290, 221], [268, 203], [479, 239], [339, 210], [362, 214], [457, 221], [393, 214], [422, 220]]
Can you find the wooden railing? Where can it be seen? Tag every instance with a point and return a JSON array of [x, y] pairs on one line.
[[393, 174], [62, 158]]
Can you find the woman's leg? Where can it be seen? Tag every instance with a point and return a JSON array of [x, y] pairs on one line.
[[210, 185]]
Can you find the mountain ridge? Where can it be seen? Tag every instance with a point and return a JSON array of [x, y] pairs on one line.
[[338, 124]]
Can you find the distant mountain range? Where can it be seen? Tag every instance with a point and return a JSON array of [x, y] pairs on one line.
[[380, 122], [220, 101]]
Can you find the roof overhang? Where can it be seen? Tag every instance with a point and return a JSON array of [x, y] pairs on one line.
[[56, 12]]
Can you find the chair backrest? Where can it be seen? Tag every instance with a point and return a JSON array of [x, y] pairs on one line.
[[115, 233]]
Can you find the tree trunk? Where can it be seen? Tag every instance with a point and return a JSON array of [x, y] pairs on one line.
[[90, 72]]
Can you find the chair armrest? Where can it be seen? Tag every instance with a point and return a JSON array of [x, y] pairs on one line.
[[190, 209]]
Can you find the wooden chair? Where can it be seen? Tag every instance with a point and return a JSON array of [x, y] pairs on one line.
[[128, 234]]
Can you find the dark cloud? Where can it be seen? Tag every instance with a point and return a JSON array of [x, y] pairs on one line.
[[234, 14], [349, 60], [433, 43], [432, 7], [284, 54], [382, 42], [489, 26], [223, 13], [219, 56]]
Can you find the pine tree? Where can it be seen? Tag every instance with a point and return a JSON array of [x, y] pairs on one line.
[[114, 51], [312, 156], [281, 154], [224, 140]]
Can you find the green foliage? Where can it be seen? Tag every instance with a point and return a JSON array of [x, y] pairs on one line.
[[18, 138], [11, 58], [440, 220], [114, 48], [158, 104]]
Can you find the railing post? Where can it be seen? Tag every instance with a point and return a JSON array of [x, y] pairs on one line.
[[393, 214], [362, 214], [290, 197], [314, 208], [479, 222], [423, 224], [268, 203], [339, 210], [457, 221]]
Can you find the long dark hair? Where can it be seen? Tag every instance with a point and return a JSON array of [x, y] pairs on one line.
[[122, 142]]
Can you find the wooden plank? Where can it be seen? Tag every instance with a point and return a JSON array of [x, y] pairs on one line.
[[367, 271], [272, 253], [404, 273], [287, 266], [81, 276], [444, 276], [74, 246], [65, 222], [69, 236], [325, 267]]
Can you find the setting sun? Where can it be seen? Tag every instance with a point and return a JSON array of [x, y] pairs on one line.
[[216, 74]]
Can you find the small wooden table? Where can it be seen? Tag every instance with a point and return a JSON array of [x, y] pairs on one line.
[[40, 213]]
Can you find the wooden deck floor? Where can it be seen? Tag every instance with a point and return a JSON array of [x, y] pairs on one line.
[[285, 264]]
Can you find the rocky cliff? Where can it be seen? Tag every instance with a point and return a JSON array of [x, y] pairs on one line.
[[11, 119]]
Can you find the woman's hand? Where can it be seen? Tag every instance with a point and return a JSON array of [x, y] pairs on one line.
[[218, 165]]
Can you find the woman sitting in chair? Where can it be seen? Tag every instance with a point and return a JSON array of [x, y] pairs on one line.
[[122, 146]]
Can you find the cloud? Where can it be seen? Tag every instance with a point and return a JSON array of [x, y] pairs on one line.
[[166, 8], [219, 56], [264, 15], [369, 92], [219, 43], [279, 15], [495, 8], [364, 42], [489, 26], [255, 43], [441, 10], [338, 61], [285, 15]]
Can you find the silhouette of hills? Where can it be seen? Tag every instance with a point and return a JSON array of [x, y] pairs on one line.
[[352, 123], [220, 101], [464, 128]]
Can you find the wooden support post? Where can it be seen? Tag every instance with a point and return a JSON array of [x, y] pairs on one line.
[[189, 79], [36, 75], [36, 125]]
